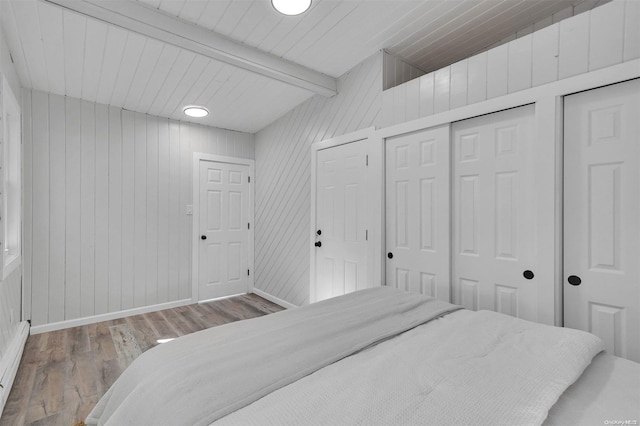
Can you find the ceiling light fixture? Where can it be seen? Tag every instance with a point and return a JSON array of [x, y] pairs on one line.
[[291, 7], [195, 111]]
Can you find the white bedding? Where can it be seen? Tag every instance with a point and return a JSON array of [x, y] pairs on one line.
[[466, 368], [377, 356], [608, 392], [201, 377]]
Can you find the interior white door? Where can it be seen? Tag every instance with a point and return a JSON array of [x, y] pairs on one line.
[[602, 215], [494, 217], [417, 212], [342, 240], [223, 267]]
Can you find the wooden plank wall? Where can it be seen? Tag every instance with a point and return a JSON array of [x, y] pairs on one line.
[[283, 177], [576, 9], [604, 36], [396, 71], [106, 190]]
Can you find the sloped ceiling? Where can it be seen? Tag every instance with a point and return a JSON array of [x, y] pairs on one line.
[[59, 50]]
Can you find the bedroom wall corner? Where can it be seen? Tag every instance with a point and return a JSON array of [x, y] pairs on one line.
[[106, 233], [283, 177]]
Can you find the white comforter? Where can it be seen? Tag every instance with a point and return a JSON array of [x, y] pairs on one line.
[[377, 356], [466, 368], [201, 377]]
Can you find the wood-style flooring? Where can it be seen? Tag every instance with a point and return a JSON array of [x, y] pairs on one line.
[[64, 373]]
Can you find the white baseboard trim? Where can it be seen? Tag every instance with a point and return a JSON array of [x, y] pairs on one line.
[[12, 362], [109, 316], [273, 299], [220, 298]]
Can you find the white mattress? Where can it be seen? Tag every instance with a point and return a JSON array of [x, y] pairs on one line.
[[608, 392]]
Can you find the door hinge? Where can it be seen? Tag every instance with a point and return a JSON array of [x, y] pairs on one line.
[[367, 160], [249, 179], [247, 272], [248, 226], [366, 235]]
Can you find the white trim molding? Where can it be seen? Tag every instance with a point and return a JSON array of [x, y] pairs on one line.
[[376, 186], [273, 299], [195, 258], [590, 80], [106, 317]]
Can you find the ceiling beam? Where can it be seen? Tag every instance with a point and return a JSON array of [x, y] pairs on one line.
[[133, 16]]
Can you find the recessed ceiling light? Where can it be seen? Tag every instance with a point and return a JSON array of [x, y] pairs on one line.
[[291, 7], [195, 111]]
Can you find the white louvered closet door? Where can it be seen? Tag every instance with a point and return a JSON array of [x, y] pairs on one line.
[[494, 241], [417, 212], [602, 215]]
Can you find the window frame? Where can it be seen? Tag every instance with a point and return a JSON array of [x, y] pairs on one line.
[[10, 180]]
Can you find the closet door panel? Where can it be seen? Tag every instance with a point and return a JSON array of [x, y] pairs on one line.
[[493, 216], [417, 212], [602, 215]]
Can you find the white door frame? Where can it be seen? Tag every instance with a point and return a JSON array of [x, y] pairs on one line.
[[375, 225], [195, 244]]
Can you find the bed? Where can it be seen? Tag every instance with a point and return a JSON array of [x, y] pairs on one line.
[[376, 356]]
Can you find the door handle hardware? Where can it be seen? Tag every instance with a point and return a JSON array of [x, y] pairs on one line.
[[319, 232], [528, 274], [318, 244], [203, 237], [390, 255], [574, 280]]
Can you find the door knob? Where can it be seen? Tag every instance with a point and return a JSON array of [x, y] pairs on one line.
[[203, 237], [574, 280], [390, 255], [319, 232], [528, 274], [318, 244]]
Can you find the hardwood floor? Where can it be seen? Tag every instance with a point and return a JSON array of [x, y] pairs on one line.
[[63, 373]]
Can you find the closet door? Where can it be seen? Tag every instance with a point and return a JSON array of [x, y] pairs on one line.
[[602, 215], [417, 212], [494, 241]]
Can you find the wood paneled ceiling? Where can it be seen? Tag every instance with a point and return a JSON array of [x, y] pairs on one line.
[[58, 50]]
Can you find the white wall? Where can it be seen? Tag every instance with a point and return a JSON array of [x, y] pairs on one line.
[[283, 174], [604, 36], [106, 190], [575, 9], [396, 71]]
